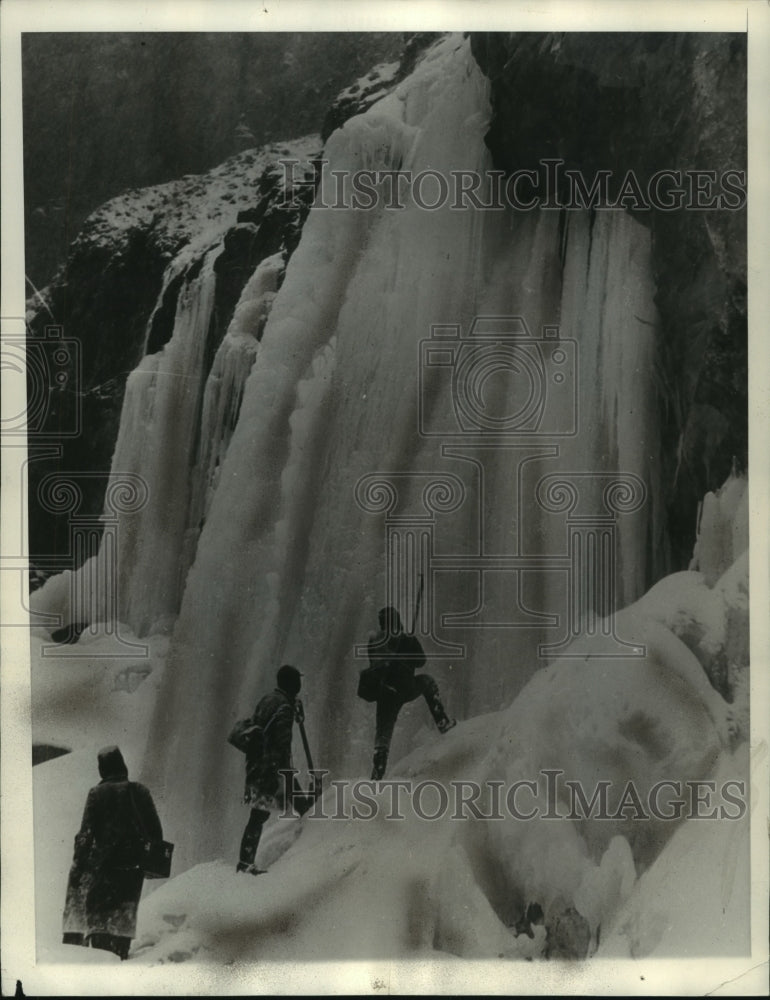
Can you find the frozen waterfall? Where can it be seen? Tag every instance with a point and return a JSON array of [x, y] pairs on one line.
[[355, 383]]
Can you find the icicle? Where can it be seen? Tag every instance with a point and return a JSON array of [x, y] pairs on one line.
[[224, 390], [158, 430]]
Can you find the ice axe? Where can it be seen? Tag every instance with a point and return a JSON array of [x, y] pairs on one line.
[[417, 605], [315, 790]]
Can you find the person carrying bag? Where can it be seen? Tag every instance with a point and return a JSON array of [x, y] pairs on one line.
[[115, 847]]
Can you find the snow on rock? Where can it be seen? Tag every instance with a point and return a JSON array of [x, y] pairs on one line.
[[462, 885], [376, 83], [600, 720], [135, 261], [723, 529], [694, 899], [347, 890], [361, 95], [712, 620], [195, 210]]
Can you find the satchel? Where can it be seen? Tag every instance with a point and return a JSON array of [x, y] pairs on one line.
[[156, 858], [243, 735], [370, 683], [153, 857], [249, 737]]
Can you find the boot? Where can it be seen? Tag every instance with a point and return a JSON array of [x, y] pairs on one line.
[[379, 763], [442, 720], [432, 697], [251, 837], [251, 869]]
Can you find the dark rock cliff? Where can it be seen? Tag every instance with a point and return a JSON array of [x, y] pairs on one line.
[[645, 103], [105, 300]]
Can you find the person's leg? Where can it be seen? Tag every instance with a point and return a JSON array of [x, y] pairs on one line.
[[250, 840], [387, 713], [429, 690], [106, 942], [297, 798]]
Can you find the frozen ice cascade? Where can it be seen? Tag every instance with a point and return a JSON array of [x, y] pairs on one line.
[[289, 567], [257, 539]]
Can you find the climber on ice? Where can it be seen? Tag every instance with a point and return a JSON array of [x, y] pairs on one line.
[[265, 738], [394, 655]]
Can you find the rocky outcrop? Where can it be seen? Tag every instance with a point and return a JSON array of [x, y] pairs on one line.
[[374, 85], [108, 299], [644, 103], [105, 111]]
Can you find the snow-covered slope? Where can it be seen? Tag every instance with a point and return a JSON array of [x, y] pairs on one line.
[[378, 887]]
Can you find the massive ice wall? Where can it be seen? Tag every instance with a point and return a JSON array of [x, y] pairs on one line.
[[291, 561]]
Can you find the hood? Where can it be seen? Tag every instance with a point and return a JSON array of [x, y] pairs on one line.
[[112, 765]]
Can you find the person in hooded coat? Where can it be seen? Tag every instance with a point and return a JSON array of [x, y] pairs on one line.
[[105, 880], [267, 757], [396, 655]]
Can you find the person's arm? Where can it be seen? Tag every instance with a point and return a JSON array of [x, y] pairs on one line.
[[84, 838], [416, 655], [380, 651], [279, 733], [149, 814]]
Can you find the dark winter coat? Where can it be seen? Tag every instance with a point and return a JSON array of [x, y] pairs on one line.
[[396, 656], [272, 753], [105, 882]]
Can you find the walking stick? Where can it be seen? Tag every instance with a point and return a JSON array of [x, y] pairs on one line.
[[299, 714], [417, 604]]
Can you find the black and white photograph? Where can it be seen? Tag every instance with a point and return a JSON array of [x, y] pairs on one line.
[[385, 417]]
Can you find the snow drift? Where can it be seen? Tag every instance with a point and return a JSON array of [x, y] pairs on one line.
[[381, 888]]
